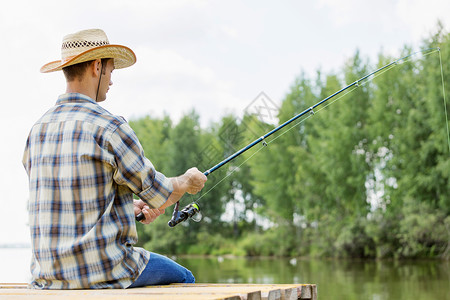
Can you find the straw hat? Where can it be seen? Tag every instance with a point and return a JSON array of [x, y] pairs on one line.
[[89, 45]]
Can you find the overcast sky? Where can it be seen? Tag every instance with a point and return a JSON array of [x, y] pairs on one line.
[[214, 56]]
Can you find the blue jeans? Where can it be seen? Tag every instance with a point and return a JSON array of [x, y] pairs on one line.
[[162, 270]]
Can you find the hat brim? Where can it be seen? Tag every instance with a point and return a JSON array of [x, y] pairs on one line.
[[123, 57]]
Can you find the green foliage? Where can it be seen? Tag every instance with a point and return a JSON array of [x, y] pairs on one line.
[[423, 231], [368, 176]]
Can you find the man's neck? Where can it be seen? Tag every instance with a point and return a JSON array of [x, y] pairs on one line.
[[81, 87]]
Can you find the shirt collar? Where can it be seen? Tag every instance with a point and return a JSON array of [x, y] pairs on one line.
[[74, 98]]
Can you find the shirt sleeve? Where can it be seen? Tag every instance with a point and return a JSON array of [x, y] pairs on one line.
[[26, 157], [134, 170]]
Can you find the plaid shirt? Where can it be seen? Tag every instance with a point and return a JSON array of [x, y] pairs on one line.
[[84, 165]]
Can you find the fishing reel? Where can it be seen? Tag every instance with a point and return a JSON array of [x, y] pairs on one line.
[[190, 211]]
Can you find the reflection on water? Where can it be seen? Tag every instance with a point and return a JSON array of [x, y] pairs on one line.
[[336, 279]]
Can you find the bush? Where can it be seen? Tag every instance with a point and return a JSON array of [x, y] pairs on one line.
[[423, 232]]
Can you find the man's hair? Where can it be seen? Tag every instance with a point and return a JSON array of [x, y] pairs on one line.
[[77, 71]]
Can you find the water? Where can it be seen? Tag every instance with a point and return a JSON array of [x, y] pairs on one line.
[[336, 279], [15, 265]]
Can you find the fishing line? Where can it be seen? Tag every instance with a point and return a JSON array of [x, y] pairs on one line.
[[190, 210], [358, 85], [404, 60], [272, 140], [228, 175], [445, 101]]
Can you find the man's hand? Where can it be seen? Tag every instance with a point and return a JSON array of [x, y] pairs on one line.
[[191, 182], [150, 214]]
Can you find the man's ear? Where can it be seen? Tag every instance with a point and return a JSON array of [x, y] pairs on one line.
[[96, 67]]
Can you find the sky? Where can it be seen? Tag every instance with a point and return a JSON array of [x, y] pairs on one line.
[[211, 56]]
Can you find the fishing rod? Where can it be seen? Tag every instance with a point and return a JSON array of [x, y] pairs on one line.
[[192, 209]]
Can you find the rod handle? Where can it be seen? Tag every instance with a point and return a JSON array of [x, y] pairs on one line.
[[140, 217]]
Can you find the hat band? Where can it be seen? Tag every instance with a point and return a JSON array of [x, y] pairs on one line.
[[78, 44]]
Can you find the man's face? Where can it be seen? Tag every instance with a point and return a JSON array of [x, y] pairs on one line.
[[105, 82]]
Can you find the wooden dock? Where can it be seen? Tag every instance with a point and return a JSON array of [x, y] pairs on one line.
[[197, 291]]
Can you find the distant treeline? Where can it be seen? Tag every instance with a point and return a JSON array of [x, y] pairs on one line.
[[368, 176]]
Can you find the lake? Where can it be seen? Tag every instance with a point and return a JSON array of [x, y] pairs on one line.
[[336, 279]]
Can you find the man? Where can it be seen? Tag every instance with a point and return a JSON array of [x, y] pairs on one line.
[[84, 165]]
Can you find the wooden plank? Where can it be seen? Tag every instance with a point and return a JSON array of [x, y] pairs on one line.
[[305, 292], [288, 291], [13, 285], [282, 294], [121, 297], [252, 296], [180, 291], [308, 292], [207, 293], [290, 294], [110, 294], [243, 292], [272, 295], [314, 292]]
